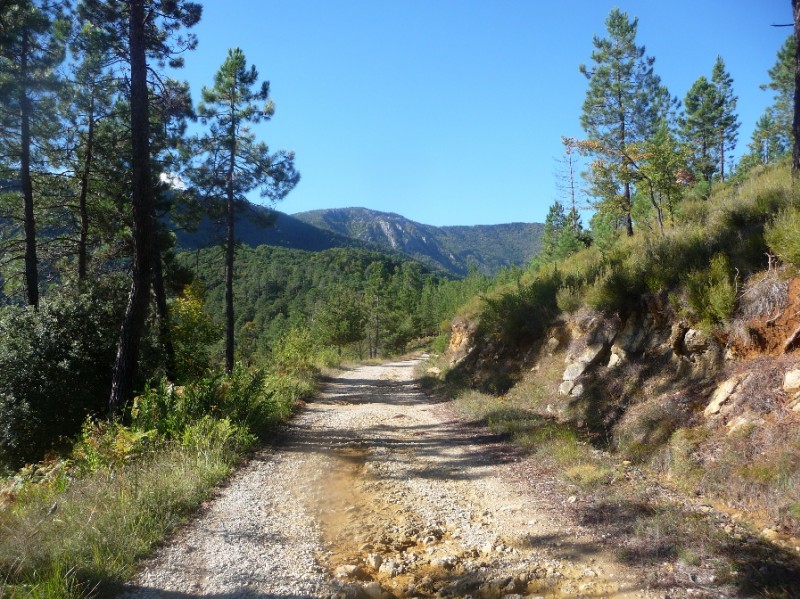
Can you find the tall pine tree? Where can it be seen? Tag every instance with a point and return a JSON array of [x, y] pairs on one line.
[[233, 163], [727, 126], [699, 127], [625, 101], [32, 44], [142, 34]]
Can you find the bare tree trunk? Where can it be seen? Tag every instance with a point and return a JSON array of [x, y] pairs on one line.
[[162, 313], [84, 192], [31, 260], [628, 204], [796, 120], [229, 257], [139, 296]]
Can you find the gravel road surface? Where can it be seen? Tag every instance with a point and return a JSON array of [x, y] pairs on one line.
[[376, 491]]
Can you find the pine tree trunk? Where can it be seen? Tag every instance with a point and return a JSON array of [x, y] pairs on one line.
[[162, 313], [139, 296], [628, 202], [31, 260], [229, 320], [84, 192], [229, 257]]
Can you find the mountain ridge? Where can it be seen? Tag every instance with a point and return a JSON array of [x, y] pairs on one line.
[[454, 249]]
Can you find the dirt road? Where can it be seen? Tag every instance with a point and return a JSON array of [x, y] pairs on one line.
[[374, 490]]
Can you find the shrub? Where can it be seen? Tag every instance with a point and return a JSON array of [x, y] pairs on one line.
[[712, 293], [208, 435], [192, 332], [513, 316], [55, 367], [104, 444], [569, 299], [296, 351], [783, 236], [168, 409]]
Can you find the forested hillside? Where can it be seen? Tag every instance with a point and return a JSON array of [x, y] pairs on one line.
[[374, 303]]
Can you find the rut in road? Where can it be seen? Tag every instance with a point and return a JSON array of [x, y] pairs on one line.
[[375, 490]]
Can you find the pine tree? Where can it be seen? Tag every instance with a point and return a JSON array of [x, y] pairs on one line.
[[141, 34], [772, 137], [233, 163], [553, 225], [700, 126], [728, 121], [782, 83], [90, 101], [625, 100], [32, 44]]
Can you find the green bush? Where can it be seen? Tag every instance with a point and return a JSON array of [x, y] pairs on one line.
[[711, 293], [168, 409], [55, 367], [783, 236], [192, 332], [296, 351], [569, 299], [512, 316], [104, 444]]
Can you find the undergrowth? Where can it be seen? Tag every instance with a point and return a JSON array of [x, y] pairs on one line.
[[76, 526]]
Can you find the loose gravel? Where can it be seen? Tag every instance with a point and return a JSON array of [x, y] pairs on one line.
[[376, 491]]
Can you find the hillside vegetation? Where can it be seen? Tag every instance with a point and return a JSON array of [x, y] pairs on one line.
[[676, 352]]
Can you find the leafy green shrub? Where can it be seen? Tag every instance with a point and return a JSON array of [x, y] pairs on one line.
[[104, 444], [512, 316], [245, 399], [55, 367], [296, 351], [440, 343], [168, 409], [712, 293], [783, 236], [192, 332], [569, 299]]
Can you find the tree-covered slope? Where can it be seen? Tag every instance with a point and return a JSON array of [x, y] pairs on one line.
[[487, 247], [276, 289], [257, 226]]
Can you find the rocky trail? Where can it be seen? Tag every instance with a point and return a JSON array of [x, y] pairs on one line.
[[374, 490]]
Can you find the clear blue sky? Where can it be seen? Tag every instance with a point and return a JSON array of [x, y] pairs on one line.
[[451, 112]]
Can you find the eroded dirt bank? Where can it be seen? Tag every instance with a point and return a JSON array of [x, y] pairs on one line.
[[374, 490]]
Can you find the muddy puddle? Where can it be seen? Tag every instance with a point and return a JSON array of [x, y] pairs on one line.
[[377, 545]]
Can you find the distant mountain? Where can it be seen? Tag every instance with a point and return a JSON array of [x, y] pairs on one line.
[[452, 249], [262, 226], [488, 247]]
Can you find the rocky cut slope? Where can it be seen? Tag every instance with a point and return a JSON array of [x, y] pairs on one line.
[[713, 414]]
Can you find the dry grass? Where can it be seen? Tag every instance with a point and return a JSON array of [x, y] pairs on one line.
[[67, 540]]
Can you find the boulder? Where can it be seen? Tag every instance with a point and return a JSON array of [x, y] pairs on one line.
[[373, 590], [695, 341], [791, 380], [721, 395], [618, 356], [632, 336], [573, 371], [587, 357]]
